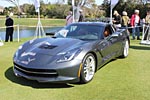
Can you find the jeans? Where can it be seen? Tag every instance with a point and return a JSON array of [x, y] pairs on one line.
[[135, 31]]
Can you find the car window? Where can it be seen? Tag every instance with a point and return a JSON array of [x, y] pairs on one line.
[[113, 28], [107, 32], [81, 31], [72, 28]]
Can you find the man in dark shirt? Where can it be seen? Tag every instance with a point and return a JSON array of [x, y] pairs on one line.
[[81, 18], [9, 29], [117, 19]]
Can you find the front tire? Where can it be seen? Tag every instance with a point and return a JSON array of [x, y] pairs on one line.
[[88, 68]]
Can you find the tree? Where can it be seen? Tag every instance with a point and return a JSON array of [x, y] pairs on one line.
[[59, 1], [136, 1], [78, 4], [106, 7], [16, 3]]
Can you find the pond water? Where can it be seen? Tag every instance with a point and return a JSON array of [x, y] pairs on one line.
[[25, 32]]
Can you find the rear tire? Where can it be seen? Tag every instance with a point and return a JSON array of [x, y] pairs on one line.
[[125, 51], [88, 68]]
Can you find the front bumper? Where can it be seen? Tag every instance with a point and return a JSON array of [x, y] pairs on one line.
[[67, 72]]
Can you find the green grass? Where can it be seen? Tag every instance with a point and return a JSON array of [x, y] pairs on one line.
[[121, 79], [34, 21]]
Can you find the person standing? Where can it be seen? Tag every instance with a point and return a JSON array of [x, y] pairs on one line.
[[135, 22], [117, 19], [69, 18], [147, 18], [147, 27], [81, 17], [125, 21], [9, 29]]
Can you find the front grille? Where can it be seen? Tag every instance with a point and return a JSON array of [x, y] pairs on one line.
[[36, 72]]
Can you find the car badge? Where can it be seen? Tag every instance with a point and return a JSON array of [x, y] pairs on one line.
[[28, 61]]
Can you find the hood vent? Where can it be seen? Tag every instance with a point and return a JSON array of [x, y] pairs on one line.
[[46, 46]]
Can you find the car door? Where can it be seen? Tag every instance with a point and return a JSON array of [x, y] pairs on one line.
[[116, 40], [109, 46]]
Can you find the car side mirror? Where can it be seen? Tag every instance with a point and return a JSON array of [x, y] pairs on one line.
[[116, 34], [113, 37]]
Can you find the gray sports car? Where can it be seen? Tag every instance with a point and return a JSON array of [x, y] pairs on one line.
[[73, 54]]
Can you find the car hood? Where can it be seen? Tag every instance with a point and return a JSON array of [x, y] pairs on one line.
[[52, 46], [37, 53]]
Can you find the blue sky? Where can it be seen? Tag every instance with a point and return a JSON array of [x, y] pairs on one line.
[[6, 4]]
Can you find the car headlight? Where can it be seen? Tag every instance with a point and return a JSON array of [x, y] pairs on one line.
[[67, 56]]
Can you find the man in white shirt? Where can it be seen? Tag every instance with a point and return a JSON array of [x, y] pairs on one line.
[[135, 22]]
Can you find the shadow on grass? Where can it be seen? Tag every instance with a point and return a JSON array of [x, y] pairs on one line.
[[140, 47], [22, 81]]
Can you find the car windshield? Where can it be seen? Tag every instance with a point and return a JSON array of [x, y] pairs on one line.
[[81, 31]]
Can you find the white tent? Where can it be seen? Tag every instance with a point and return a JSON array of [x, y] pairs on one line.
[[113, 4], [146, 35], [39, 29]]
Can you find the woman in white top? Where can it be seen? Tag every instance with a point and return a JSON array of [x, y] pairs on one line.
[[69, 18]]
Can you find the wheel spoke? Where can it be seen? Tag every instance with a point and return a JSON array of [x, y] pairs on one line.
[[89, 68], [126, 48]]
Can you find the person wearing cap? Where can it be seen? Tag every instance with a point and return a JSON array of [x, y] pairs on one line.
[[69, 18], [81, 18], [125, 21], [117, 19], [135, 22], [9, 29]]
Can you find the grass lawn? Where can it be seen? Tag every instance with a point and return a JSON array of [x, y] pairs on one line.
[[34, 21], [121, 79]]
